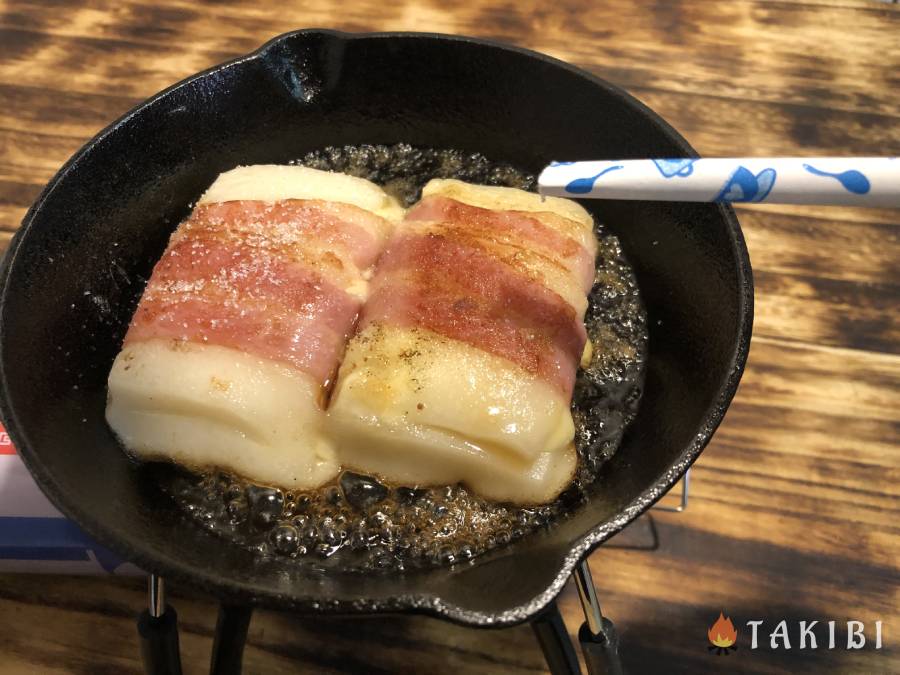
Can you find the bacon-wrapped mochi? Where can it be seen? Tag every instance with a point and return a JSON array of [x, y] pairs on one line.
[[464, 363], [237, 337]]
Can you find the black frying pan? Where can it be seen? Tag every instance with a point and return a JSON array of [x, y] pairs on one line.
[[104, 220]]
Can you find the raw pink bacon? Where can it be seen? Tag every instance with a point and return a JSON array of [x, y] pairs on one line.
[[234, 275], [455, 288], [292, 223], [529, 230]]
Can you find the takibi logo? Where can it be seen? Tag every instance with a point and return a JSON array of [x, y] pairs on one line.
[[722, 635]]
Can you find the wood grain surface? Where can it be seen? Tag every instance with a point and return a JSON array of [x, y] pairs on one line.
[[794, 507]]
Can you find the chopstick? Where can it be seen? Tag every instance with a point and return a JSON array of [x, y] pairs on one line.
[[855, 181]]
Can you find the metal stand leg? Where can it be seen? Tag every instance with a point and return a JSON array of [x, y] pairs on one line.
[[598, 638], [158, 631], [231, 635], [683, 500], [553, 637]]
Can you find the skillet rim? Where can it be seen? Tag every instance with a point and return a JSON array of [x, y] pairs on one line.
[[428, 604]]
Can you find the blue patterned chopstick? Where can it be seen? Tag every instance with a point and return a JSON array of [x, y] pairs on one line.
[[857, 181]]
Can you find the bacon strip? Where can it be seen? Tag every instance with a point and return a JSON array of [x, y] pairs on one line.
[[226, 279], [462, 292], [532, 230], [292, 224]]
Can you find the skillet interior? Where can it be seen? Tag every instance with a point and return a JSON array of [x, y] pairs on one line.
[[76, 268]]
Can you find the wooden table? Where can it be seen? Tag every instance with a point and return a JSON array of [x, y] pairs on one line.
[[793, 507]]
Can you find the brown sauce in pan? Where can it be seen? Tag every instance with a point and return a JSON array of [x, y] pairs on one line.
[[357, 522]]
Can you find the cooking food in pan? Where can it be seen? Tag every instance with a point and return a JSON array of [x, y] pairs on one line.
[[298, 325], [76, 269]]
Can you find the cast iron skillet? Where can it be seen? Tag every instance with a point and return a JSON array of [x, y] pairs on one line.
[[76, 267]]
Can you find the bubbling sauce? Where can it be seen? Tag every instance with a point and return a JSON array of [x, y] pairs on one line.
[[359, 523]]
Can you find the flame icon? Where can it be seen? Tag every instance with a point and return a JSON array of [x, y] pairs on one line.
[[722, 635]]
